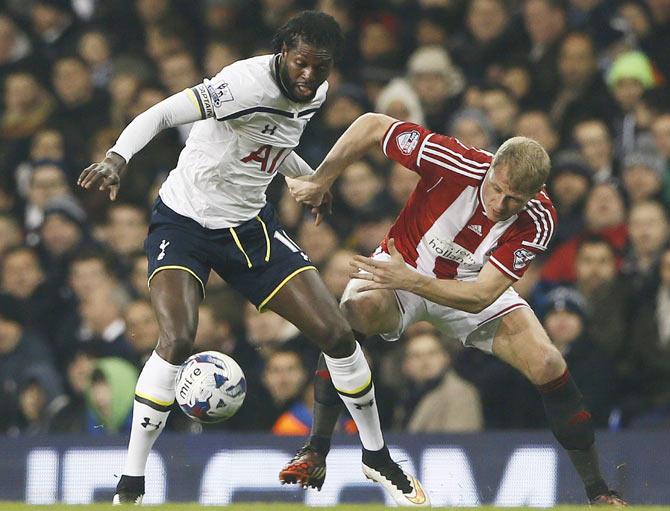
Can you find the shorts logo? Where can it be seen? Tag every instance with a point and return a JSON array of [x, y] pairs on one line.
[[407, 141], [164, 244], [522, 257], [220, 94]]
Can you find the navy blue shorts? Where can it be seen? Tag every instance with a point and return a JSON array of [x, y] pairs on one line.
[[256, 258]]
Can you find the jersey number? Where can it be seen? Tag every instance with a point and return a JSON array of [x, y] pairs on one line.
[[263, 155]]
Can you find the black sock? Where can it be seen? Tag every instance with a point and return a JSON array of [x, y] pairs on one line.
[[586, 463], [376, 458], [131, 484], [572, 426], [327, 408]]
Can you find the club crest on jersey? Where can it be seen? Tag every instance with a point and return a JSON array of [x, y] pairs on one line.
[[220, 94], [522, 257], [407, 141]]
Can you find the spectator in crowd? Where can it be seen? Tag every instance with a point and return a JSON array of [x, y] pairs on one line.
[[607, 294], [24, 279], [472, 127], [16, 49], [40, 398], [581, 91], [437, 82], [285, 378], [72, 417], [63, 233], [630, 75], [660, 129], [125, 231], [594, 139], [537, 125], [545, 22], [48, 180], [109, 397], [102, 327], [564, 320], [648, 234], [486, 37], [27, 107], [82, 108], [319, 241], [336, 271], [400, 101], [501, 109], [54, 24], [604, 216], [570, 183], [11, 234], [20, 350], [648, 392], [643, 173], [434, 399], [95, 49]]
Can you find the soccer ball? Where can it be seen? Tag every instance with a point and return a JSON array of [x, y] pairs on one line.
[[210, 387]]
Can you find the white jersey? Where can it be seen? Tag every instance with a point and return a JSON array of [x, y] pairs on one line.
[[247, 131]]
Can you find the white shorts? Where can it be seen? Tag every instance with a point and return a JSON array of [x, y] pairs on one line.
[[475, 330]]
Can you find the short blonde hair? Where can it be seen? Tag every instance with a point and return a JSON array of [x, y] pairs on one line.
[[527, 162]]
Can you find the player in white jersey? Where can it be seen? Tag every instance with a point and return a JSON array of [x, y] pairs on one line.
[[468, 231], [211, 214]]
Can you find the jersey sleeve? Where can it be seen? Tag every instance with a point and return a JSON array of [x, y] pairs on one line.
[[225, 95], [528, 238], [435, 155]]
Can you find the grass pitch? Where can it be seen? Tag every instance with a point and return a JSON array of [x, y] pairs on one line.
[[262, 506]]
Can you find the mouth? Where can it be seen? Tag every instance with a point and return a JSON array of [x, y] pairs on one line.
[[304, 89]]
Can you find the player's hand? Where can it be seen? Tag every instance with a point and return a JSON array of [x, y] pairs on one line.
[[391, 274], [306, 191], [105, 175], [324, 209]]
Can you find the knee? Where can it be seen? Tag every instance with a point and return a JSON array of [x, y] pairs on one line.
[[548, 366], [336, 337], [175, 348], [360, 310]]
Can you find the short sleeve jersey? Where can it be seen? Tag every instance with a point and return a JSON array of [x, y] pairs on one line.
[[248, 128], [443, 230]]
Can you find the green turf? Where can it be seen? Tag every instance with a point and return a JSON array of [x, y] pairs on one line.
[[10, 506]]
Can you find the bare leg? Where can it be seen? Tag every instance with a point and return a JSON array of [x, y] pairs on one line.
[[522, 342], [175, 296]]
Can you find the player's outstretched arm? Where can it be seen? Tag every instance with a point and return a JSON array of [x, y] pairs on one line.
[[469, 296], [363, 134], [173, 111]]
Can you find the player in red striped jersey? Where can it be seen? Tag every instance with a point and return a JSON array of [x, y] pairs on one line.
[[468, 231]]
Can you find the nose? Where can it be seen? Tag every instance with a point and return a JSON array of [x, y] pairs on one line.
[[307, 75]]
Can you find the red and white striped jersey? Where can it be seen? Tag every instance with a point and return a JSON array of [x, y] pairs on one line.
[[442, 231]]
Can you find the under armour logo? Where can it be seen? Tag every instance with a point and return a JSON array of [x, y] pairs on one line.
[[162, 246], [147, 423], [476, 228], [364, 405], [269, 130]]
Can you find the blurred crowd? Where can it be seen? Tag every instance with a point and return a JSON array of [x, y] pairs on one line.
[[586, 78]]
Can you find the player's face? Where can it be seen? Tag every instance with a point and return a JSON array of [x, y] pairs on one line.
[[500, 200], [303, 69]]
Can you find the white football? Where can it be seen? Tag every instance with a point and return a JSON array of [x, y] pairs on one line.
[[210, 387]]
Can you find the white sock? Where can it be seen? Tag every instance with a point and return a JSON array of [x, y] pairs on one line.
[[154, 394], [353, 381]]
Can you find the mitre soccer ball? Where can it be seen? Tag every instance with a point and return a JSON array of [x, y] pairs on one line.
[[210, 387]]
